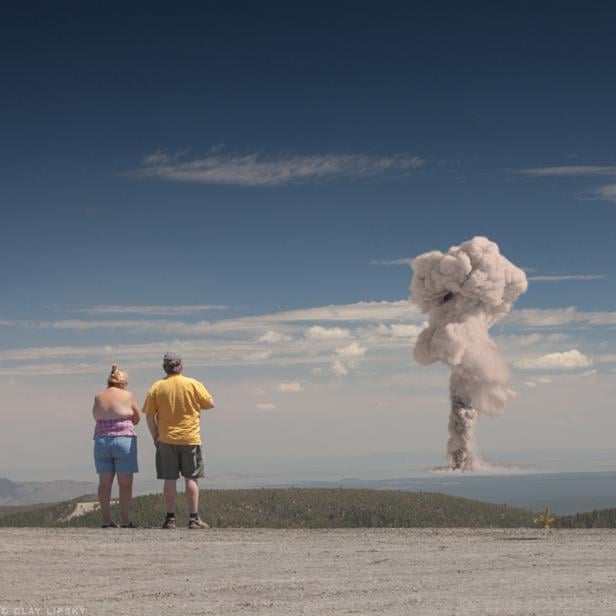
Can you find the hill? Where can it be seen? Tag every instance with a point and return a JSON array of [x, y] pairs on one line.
[[600, 518], [300, 508]]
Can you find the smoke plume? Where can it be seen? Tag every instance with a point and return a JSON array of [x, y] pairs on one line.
[[465, 292]]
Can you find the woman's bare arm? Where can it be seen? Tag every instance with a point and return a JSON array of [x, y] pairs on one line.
[[133, 404]]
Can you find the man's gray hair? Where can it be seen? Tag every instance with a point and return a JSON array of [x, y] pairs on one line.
[[172, 363]]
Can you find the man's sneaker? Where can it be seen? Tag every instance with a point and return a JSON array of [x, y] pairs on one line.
[[111, 524], [129, 525], [169, 523], [197, 523]]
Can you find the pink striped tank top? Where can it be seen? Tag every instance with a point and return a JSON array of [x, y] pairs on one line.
[[114, 427]]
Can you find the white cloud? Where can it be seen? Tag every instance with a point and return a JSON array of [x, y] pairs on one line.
[[265, 406], [351, 351], [399, 330], [339, 368], [261, 170], [566, 277], [273, 337], [289, 387], [346, 358], [316, 332], [540, 380], [566, 359]]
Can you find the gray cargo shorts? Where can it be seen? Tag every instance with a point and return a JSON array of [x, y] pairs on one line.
[[171, 460]]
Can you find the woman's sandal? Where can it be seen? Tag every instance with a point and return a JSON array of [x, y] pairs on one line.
[[111, 524], [129, 525]]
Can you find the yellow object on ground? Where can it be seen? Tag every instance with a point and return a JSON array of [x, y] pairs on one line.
[[545, 519]]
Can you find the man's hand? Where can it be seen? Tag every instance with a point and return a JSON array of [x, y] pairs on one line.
[[153, 427]]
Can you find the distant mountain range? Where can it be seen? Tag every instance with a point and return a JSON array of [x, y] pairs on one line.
[[33, 492], [563, 493]]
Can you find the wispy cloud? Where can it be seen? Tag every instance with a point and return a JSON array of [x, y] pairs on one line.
[[605, 192], [560, 278], [393, 262], [265, 406], [570, 171], [262, 170], [560, 379], [290, 388], [159, 326], [167, 311], [552, 317]]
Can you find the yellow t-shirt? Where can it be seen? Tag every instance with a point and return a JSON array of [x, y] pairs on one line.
[[176, 401]]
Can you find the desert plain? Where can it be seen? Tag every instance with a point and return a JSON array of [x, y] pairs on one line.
[[496, 572]]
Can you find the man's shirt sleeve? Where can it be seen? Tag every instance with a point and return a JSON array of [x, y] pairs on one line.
[[149, 406]]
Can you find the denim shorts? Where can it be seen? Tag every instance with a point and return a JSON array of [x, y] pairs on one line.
[[115, 454]]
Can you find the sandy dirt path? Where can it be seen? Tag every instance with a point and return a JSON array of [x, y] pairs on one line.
[[288, 572]]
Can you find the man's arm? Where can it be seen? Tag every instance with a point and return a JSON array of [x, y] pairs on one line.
[[153, 427], [150, 410], [205, 398]]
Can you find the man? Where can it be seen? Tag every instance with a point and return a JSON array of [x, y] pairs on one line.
[[172, 408]]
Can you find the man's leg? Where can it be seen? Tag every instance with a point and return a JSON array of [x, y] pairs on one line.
[[105, 482], [192, 495], [192, 498], [169, 495], [125, 482]]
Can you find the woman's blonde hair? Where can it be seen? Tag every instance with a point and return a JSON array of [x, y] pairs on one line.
[[117, 377]]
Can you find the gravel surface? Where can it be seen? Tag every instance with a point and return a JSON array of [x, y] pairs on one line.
[[457, 572]]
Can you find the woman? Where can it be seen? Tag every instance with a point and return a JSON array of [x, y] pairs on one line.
[[115, 444]]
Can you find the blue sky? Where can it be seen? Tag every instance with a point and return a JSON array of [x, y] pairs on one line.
[[269, 158]]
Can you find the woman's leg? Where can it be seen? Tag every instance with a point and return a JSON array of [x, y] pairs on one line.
[[105, 482], [125, 483]]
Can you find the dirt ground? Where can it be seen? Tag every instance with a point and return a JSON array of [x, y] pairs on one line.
[[289, 572]]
